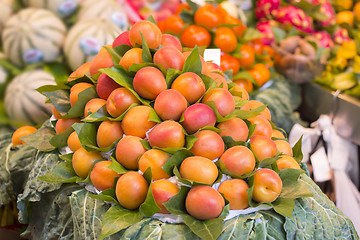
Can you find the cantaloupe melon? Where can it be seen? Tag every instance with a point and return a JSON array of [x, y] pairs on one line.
[[85, 39], [4, 77], [106, 9], [23, 103], [62, 8], [7, 9], [33, 35]]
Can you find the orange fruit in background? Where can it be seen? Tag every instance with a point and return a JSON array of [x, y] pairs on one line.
[[258, 46], [247, 58], [225, 39], [245, 83], [228, 62], [269, 51], [181, 7], [238, 30], [21, 132], [356, 11], [260, 73], [208, 16], [173, 24], [345, 17], [195, 35]]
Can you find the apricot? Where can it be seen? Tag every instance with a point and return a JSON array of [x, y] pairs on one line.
[[119, 101], [235, 128], [235, 191], [131, 190], [128, 151], [199, 169], [150, 31], [244, 95], [80, 71], [136, 123], [220, 80], [277, 134], [102, 177], [162, 191], [132, 56], [223, 100], [267, 185], [123, 38], [154, 159], [76, 89], [56, 113], [198, 116], [169, 57], [190, 85], [64, 124], [204, 203], [238, 160], [263, 126], [168, 134], [149, 82], [209, 144], [287, 162], [21, 132], [107, 133], [105, 85], [168, 40], [253, 104], [83, 161], [263, 147], [284, 147], [74, 142], [94, 105], [101, 60], [170, 104], [213, 67], [245, 83]]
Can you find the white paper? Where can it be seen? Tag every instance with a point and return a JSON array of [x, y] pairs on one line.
[[321, 166], [212, 55]]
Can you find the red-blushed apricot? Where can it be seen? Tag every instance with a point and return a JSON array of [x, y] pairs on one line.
[[263, 147], [253, 104], [199, 169], [94, 105], [284, 147], [238, 160], [204, 203], [136, 121], [234, 191], [101, 60], [168, 40], [64, 124], [76, 89], [154, 159], [245, 83], [267, 185], [209, 144], [21, 132], [73, 142], [190, 85], [170, 104], [235, 128], [198, 116], [203, 63], [287, 162], [102, 177], [168, 134], [119, 101], [131, 190], [123, 38], [162, 191], [263, 126], [80, 71], [128, 151], [56, 113], [150, 31], [105, 86], [132, 56], [149, 82], [277, 134], [213, 68], [83, 161], [107, 133], [220, 80], [169, 57], [224, 101], [240, 92]]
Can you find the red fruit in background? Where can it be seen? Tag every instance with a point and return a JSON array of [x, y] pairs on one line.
[[123, 38], [105, 85]]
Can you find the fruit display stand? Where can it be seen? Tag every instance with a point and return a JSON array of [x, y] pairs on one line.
[[183, 160]]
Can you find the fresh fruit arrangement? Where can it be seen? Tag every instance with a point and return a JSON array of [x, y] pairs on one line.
[[212, 26], [130, 127]]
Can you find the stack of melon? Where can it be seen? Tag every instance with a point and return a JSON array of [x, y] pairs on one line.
[[157, 130]]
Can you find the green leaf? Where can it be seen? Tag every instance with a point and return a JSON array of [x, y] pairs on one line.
[[62, 173], [208, 230], [98, 116], [229, 142], [86, 78], [292, 187], [149, 207], [344, 81], [60, 140], [87, 135], [194, 6], [40, 139], [59, 98], [193, 62], [297, 151], [117, 167], [268, 162], [77, 110], [117, 52], [145, 144], [284, 206], [175, 160], [153, 117], [104, 196], [279, 34], [133, 69], [66, 157], [116, 219], [251, 130], [151, 19], [145, 54], [176, 204], [187, 16], [171, 75], [251, 34], [59, 71]]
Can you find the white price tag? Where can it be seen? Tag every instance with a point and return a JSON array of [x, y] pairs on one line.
[[212, 55], [321, 167]]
